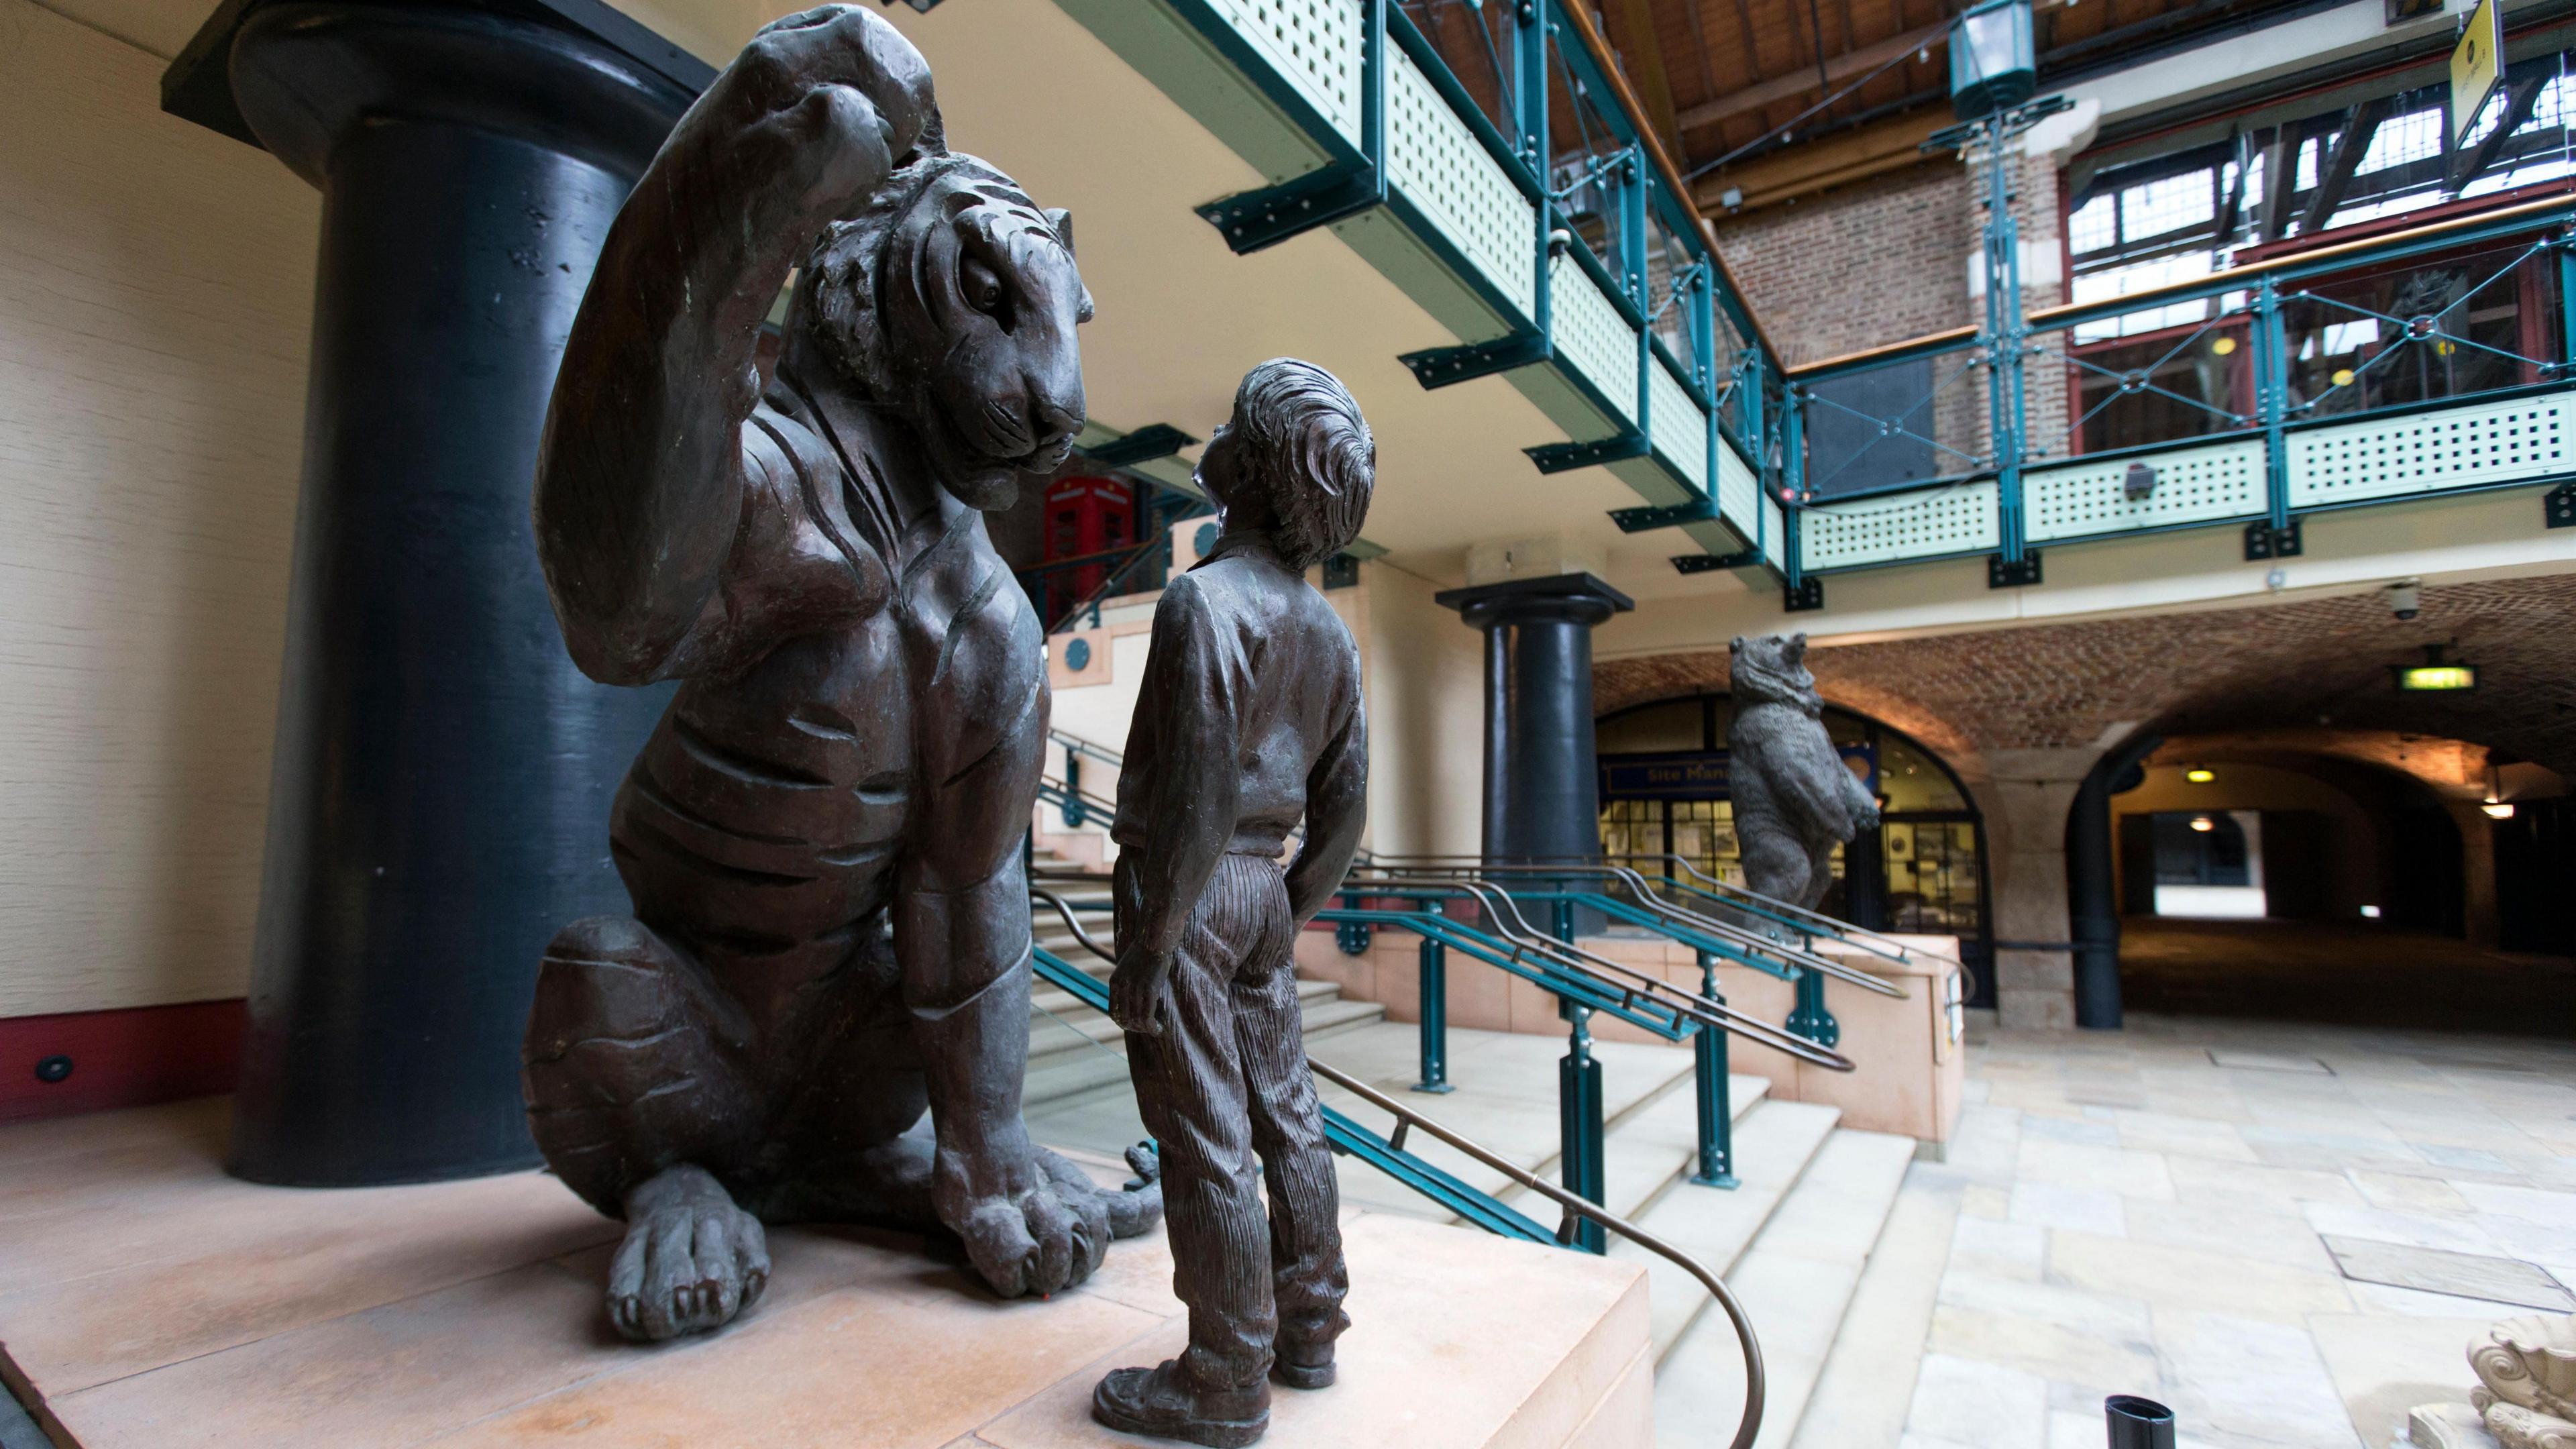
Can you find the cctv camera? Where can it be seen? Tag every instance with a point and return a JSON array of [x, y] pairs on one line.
[[2405, 598]]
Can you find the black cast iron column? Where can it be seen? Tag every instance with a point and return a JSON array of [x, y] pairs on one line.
[[2092, 889], [438, 803], [1542, 792]]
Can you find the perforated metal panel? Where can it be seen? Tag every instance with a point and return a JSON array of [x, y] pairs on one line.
[[1959, 518], [2462, 447], [1739, 493], [1588, 332], [1438, 165], [2193, 485], [1314, 44], [1680, 429]]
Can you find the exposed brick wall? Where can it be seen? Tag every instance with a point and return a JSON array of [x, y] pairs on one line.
[[1886, 259], [2291, 666], [1860, 266]]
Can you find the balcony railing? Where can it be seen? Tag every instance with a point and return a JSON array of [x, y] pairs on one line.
[[2430, 361], [1489, 159]]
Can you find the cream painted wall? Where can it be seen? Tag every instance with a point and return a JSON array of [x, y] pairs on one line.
[[156, 289], [1421, 675], [1426, 673]]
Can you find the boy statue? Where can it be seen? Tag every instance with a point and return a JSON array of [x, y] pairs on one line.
[[1249, 719]]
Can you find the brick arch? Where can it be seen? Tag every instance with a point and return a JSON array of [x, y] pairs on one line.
[[2310, 663], [1623, 683]]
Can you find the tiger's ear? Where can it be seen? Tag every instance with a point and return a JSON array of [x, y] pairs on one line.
[[1060, 221]]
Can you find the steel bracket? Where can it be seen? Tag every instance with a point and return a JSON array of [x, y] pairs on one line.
[[1704, 563], [1269, 215], [1440, 366], [2013, 573], [1566, 457], [1664, 515], [2263, 541]]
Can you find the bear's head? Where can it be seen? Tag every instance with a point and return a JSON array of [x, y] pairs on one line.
[[1772, 670]]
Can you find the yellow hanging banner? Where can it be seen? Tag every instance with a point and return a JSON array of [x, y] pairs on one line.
[[2477, 63]]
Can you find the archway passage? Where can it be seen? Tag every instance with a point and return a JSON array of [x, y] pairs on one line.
[[1923, 870], [2347, 876]]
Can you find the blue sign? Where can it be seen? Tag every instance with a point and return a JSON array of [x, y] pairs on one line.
[[1696, 774]]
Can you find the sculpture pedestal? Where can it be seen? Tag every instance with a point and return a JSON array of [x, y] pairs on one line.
[[148, 1302]]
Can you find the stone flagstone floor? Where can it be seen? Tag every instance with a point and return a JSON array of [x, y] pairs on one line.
[[2148, 1212]]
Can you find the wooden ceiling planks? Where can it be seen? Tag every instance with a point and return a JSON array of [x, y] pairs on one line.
[[1738, 70]]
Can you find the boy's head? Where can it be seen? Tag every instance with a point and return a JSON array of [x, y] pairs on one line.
[[1296, 465]]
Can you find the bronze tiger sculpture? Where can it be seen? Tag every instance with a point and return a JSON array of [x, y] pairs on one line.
[[822, 837]]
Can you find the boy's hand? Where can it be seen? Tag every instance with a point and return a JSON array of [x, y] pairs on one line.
[[1140, 992]]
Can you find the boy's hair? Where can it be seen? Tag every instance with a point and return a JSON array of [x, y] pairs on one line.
[[1304, 444]]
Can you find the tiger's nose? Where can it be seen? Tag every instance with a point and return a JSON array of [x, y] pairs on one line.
[[1056, 426]]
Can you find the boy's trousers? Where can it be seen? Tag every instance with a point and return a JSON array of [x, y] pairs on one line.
[[1227, 1093]]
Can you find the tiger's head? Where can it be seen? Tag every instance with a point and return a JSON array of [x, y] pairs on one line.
[[952, 299]]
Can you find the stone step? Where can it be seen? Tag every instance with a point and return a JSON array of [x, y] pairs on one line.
[[1796, 1283], [1867, 1389], [1774, 1143], [1505, 1100]]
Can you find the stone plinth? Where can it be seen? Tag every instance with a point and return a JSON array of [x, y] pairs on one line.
[[148, 1302]]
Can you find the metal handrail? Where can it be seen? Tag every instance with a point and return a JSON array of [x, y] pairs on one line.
[[1810, 919], [2528, 215], [1572, 961], [1811, 922], [1736, 935], [1749, 1427], [1576, 961], [1080, 746]]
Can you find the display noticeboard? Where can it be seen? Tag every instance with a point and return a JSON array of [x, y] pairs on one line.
[[2477, 63]]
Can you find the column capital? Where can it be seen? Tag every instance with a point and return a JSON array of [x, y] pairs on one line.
[[1578, 598], [570, 75]]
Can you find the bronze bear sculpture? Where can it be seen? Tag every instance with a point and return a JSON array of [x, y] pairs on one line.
[[1794, 800]]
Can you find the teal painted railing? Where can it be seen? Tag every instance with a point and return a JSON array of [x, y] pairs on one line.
[[2429, 362], [1488, 158]]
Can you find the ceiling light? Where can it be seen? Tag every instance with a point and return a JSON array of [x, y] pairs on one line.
[[2203, 823], [2200, 774], [2436, 673], [2498, 809]]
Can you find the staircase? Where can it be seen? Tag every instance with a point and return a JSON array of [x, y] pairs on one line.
[[1074, 1051], [1791, 1238]]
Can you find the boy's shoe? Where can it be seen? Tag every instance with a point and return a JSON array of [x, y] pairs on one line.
[[1302, 1367], [1163, 1402]]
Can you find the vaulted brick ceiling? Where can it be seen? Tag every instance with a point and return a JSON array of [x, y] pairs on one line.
[[2292, 666]]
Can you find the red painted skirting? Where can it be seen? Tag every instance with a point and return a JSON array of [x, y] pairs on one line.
[[129, 1058]]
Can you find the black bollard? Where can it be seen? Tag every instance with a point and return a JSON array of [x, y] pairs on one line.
[[2137, 1423]]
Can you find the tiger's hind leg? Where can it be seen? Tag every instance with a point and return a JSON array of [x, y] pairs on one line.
[[641, 1091]]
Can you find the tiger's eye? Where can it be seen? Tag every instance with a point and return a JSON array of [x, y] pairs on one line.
[[982, 290]]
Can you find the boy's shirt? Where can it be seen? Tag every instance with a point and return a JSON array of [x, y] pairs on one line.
[[1248, 717]]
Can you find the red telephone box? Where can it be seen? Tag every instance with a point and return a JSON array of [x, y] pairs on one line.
[[1086, 516]]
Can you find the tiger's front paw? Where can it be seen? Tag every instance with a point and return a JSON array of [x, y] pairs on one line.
[[1024, 1231]]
